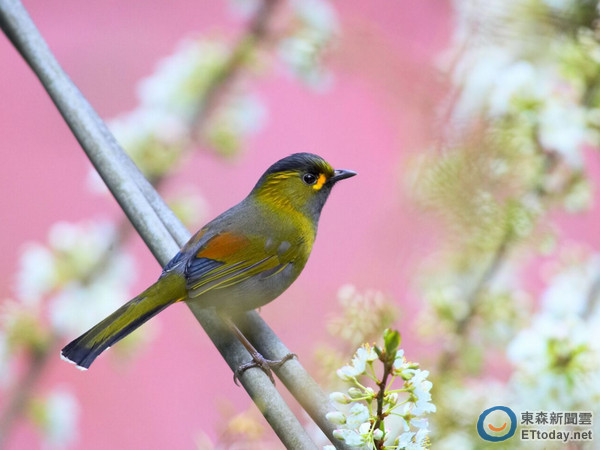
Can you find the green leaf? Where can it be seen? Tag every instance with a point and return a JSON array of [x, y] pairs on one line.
[[391, 339], [378, 351]]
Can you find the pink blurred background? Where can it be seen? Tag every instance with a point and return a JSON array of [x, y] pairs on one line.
[[375, 114]]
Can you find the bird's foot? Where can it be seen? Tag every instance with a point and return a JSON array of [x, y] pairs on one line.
[[266, 365]]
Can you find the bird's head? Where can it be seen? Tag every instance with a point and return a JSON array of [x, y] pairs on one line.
[[300, 182]]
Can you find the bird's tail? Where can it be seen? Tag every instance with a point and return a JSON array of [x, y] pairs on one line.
[[84, 350]]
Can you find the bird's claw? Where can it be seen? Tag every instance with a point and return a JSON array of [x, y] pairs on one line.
[[266, 365]]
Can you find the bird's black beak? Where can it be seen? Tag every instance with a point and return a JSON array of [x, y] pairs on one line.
[[341, 174]]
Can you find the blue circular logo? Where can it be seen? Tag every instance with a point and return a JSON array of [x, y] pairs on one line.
[[498, 427]]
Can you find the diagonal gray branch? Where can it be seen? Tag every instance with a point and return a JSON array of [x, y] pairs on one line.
[[164, 235]]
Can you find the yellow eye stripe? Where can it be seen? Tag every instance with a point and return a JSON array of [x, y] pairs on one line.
[[320, 182]]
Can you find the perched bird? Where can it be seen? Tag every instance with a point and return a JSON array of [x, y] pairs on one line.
[[241, 260]]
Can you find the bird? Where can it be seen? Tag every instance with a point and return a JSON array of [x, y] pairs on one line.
[[241, 260]]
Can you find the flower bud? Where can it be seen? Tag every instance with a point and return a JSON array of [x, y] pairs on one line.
[[377, 434], [346, 373], [364, 428], [354, 392], [336, 417], [339, 434], [392, 398], [339, 397]]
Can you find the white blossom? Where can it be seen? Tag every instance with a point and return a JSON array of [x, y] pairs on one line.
[[60, 419], [244, 8], [557, 358], [142, 125], [567, 292], [350, 437], [78, 263], [77, 308], [378, 434], [560, 6], [244, 115], [82, 244], [563, 128], [317, 14], [363, 355], [72, 252], [419, 440], [182, 78], [347, 373], [453, 441], [519, 80], [476, 73], [356, 421], [302, 50], [358, 415], [420, 387], [421, 423], [339, 397], [400, 361], [36, 275], [336, 417]]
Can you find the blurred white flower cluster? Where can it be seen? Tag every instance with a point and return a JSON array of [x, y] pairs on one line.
[[171, 101], [315, 29], [384, 414], [460, 405], [520, 125], [503, 308], [312, 28], [528, 68], [363, 315], [181, 79], [56, 415], [77, 261], [553, 363], [79, 273], [557, 358], [177, 106], [62, 287]]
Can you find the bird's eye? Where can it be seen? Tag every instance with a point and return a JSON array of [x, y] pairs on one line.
[[309, 178]]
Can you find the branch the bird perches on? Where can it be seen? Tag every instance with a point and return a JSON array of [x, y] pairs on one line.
[[164, 234]]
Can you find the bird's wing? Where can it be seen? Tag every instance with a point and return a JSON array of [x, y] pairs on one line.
[[229, 258]]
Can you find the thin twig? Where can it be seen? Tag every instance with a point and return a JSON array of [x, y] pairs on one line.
[[257, 31], [388, 364], [473, 300], [551, 162], [592, 298]]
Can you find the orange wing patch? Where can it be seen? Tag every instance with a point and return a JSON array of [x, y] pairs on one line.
[[196, 238], [320, 182], [222, 246]]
